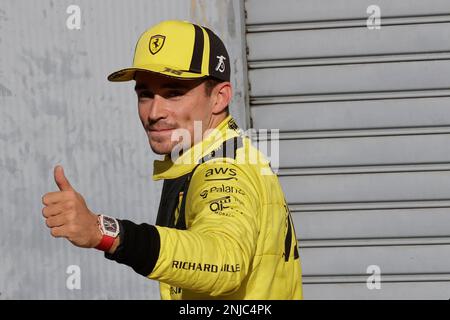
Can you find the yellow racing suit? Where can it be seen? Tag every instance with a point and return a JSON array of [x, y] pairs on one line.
[[224, 229]]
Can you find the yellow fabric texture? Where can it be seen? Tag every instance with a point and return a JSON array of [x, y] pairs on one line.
[[237, 228]]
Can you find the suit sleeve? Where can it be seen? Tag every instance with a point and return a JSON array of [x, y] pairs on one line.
[[214, 254]]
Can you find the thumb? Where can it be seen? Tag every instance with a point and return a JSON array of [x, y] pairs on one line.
[[61, 180]]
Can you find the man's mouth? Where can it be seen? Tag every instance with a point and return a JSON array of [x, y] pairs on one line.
[[160, 129], [159, 132]]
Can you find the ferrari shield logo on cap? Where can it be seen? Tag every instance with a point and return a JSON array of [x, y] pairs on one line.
[[156, 43]]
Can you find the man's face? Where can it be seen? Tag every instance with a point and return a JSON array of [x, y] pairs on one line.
[[166, 104]]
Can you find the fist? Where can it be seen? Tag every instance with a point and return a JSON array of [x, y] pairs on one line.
[[68, 216]]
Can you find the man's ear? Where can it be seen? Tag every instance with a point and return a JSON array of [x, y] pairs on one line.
[[223, 93]]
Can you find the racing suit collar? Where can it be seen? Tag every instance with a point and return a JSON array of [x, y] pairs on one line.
[[168, 169]]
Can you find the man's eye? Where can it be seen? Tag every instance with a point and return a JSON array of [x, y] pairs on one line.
[[145, 94], [174, 93]]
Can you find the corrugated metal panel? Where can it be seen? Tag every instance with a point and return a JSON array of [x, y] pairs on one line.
[[370, 114], [403, 186], [376, 150], [364, 127], [269, 11], [392, 259], [436, 288], [57, 107], [351, 78], [415, 223], [389, 40]]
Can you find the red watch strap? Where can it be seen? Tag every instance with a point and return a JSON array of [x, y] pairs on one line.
[[106, 243]]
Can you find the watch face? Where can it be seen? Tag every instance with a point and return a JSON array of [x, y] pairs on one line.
[[109, 224]]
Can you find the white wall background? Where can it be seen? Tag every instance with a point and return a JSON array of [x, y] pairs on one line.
[[56, 107]]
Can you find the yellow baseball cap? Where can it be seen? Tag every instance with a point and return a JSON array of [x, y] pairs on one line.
[[178, 49]]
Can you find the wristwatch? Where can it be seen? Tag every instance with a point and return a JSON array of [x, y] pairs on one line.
[[110, 230]]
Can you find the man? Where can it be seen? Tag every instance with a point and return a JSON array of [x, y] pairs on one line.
[[223, 228]]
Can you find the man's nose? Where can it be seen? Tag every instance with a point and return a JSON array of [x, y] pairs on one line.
[[157, 109]]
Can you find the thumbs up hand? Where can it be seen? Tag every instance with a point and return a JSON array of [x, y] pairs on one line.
[[68, 216], [61, 180]]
